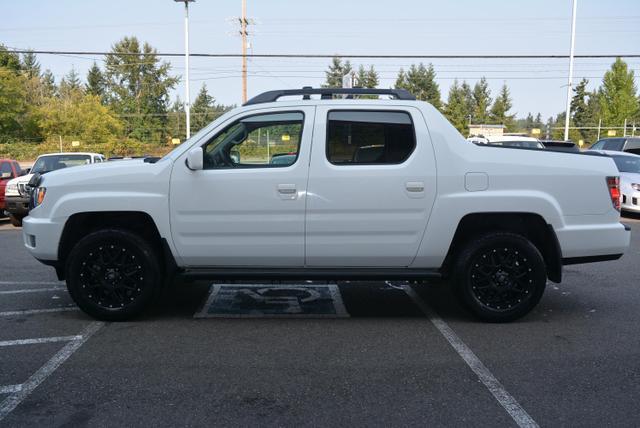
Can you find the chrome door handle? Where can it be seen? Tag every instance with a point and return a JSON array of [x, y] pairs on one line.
[[414, 186], [287, 191]]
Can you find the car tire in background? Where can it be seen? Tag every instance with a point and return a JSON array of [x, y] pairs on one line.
[[113, 274], [15, 221], [499, 276]]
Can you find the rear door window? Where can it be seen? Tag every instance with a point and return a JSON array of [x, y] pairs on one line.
[[369, 137]]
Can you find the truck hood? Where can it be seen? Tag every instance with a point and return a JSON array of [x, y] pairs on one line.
[[95, 173]]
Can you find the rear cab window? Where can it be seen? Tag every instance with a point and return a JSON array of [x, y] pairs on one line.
[[369, 137]]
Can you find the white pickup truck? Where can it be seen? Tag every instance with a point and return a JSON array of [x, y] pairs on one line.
[[335, 187]]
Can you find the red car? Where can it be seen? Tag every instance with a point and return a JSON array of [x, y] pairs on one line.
[[9, 169]]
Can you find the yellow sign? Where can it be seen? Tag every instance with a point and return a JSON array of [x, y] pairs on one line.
[[580, 143], [611, 133], [535, 131], [286, 137], [75, 144], [175, 141]]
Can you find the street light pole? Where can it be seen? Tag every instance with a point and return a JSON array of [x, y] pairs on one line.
[[187, 93], [570, 83]]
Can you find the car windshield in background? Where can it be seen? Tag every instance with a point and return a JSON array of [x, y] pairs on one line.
[[627, 163], [55, 162]]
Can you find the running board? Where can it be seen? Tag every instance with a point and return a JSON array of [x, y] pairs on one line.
[[312, 273]]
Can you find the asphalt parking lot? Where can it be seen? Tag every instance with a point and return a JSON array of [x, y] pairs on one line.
[[386, 354]]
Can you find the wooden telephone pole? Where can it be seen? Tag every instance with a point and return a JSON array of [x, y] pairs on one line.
[[243, 33]]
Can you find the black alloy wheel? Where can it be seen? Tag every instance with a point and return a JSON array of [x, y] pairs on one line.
[[500, 276], [113, 274]]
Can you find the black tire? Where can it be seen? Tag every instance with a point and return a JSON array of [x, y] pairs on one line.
[[499, 276], [15, 221], [113, 274]]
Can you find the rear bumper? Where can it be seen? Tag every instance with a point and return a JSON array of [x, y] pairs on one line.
[[17, 205], [592, 243]]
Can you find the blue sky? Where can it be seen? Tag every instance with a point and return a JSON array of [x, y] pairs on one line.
[[332, 26]]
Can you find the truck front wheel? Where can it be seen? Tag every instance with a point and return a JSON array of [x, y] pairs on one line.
[[499, 276], [113, 274]]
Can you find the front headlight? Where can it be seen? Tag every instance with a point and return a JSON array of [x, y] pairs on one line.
[[11, 190], [38, 196], [635, 186]]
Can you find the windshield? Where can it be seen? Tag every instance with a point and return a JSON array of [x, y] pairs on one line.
[[54, 162], [627, 163]]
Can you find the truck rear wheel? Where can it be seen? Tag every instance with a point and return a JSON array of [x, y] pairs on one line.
[[500, 276], [113, 274]]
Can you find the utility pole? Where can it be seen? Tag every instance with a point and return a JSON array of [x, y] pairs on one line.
[[570, 83], [187, 97], [243, 33]]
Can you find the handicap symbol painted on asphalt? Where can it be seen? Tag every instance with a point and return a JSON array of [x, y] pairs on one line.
[[259, 300]]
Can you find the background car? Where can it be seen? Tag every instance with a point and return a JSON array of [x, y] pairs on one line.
[[16, 197], [560, 145], [508, 141], [9, 169], [620, 144], [629, 166]]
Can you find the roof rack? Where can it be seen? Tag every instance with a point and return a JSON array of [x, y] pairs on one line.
[[327, 93]]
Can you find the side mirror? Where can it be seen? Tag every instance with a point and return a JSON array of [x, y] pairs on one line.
[[5, 175], [195, 159], [235, 155]]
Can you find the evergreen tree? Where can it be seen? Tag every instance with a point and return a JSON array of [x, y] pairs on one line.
[[420, 81], [137, 86], [203, 110], [336, 71], [49, 83], [528, 122], [618, 95], [9, 60], [501, 106], [70, 83], [367, 78], [456, 109], [30, 65], [481, 101], [95, 82], [538, 123], [468, 99]]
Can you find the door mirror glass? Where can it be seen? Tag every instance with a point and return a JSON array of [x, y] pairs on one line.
[[195, 159], [235, 155]]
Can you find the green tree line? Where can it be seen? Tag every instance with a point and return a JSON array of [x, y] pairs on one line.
[[122, 107], [615, 100]]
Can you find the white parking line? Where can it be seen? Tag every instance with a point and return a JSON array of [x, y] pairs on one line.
[[32, 290], [31, 283], [506, 400], [39, 340], [10, 389], [12, 401], [38, 311]]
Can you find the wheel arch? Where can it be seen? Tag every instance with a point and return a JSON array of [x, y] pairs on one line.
[[532, 226], [139, 222]]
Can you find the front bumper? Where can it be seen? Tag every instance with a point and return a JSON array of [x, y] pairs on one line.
[[41, 237], [17, 205]]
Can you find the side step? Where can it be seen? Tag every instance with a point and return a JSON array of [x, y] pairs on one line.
[[311, 273]]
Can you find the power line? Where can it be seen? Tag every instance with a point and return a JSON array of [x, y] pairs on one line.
[[297, 55]]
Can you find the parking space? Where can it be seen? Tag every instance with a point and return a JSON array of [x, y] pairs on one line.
[[381, 353]]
